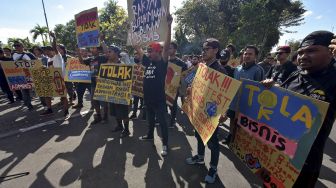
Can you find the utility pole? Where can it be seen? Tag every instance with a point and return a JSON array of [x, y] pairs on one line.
[[45, 16]]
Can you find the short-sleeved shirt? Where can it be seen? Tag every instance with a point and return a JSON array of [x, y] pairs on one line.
[[280, 73], [94, 63], [250, 72], [179, 63], [154, 80], [57, 62], [322, 86], [23, 56]]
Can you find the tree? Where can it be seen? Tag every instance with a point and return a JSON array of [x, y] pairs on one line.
[[113, 23], [40, 31], [241, 22], [66, 34], [25, 41]]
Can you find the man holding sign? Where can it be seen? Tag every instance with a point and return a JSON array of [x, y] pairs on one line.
[[154, 86], [317, 79]]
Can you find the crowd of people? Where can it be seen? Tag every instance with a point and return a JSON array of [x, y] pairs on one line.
[[312, 68]]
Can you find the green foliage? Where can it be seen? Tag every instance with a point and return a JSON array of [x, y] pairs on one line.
[[241, 22], [113, 23], [66, 35], [25, 41], [40, 31]]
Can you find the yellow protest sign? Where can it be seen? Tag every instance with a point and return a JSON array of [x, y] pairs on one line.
[[48, 82], [173, 78], [17, 73], [138, 76], [211, 95], [77, 72], [114, 83]]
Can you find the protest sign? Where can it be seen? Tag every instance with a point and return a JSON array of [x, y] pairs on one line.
[[186, 79], [211, 95], [276, 129], [17, 73], [173, 78], [77, 72], [147, 21], [48, 82], [114, 83], [87, 28], [138, 76]]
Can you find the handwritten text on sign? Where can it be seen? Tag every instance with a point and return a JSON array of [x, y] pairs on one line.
[[87, 28], [138, 75], [280, 121], [148, 20], [114, 83], [211, 95], [18, 75], [77, 72], [48, 82]]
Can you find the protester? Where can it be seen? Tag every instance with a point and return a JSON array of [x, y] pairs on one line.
[[69, 85], [175, 60], [248, 70], [154, 86], [225, 56], [136, 99], [211, 53], [94, 62], [3, 81], [283, 68], [20, 54], [81, 87], [317, 79], [55, 60], [119, 111], [267, 63], [7, 52], [38, 52]]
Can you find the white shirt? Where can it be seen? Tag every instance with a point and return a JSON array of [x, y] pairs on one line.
[[17, 56], [57, 62]]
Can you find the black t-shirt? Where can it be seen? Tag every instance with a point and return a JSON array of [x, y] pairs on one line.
[[321, 86], [2, 74], [179, 63], [154, 80], [94, 63], [280, 73]]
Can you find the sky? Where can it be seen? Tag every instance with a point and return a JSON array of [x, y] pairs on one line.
[[18, 17]]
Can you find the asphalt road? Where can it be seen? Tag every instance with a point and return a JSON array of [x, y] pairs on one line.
[[74, 153]]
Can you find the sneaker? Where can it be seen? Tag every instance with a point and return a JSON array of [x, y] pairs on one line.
[[78, 106], [195, 160], [211, 176], [146, 138], [164, 151], [47, 112], [124, 133], [96, 120], [117, 129], [133, 116]]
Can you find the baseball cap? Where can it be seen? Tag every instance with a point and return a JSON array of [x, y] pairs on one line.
[[212, 42], [322, 38]]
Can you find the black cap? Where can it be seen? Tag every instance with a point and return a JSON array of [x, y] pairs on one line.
[[322, 38]]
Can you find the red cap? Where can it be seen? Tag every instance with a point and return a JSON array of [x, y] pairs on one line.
[[155, 46]]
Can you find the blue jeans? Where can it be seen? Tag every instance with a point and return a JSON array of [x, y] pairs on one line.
[[158, 110], [213, 145]]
